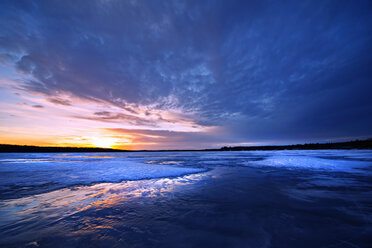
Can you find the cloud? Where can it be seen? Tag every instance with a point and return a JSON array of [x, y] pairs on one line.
[[37, 106], [26, 104], [60, 101], [105, 116], [261, 70]]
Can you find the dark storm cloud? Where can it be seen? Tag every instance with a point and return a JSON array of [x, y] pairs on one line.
[[263, 70]]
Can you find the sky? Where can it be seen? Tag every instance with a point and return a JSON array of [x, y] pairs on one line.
[[184, 74]]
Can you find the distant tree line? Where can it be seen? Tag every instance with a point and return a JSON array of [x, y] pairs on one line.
[[355, 144], [17, 148]]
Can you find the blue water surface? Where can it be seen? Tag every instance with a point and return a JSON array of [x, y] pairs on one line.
[[317, 198]]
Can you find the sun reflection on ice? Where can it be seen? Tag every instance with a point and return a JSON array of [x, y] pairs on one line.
[[65, 204]]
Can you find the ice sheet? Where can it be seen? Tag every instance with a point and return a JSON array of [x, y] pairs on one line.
[[33, 170], [314, 163]]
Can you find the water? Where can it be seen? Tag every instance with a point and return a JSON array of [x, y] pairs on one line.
[[187, 199]]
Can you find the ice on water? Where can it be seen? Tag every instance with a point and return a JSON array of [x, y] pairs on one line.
[[257, 197], [337, 161], [26, 171], [73, 169]]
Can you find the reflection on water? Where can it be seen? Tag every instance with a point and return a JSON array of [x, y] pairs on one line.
[[231, 199], [65, 203]]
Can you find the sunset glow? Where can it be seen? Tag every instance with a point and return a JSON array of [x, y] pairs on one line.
[[178, 75], [67, 120]]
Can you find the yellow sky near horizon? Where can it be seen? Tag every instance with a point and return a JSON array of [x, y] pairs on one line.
[[27, 118]]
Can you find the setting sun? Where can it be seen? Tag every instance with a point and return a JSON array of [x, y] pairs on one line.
[[104, 142]]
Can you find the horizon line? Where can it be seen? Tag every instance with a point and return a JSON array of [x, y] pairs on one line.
[[299, 145]]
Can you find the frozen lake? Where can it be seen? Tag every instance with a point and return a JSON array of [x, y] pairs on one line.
[[309, 198]]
